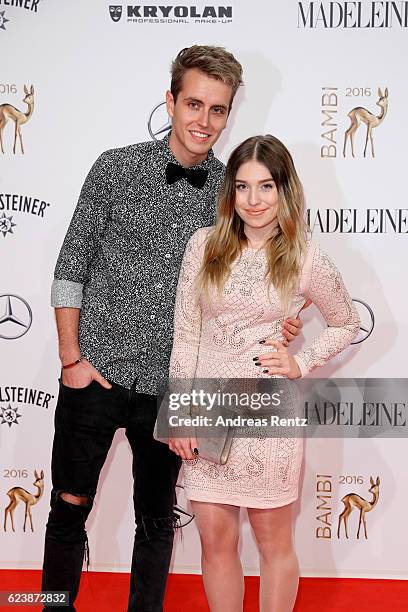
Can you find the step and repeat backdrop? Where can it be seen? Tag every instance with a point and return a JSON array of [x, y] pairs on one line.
[[327, 78]]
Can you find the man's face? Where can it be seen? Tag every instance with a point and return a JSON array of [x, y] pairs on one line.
[[198, 116]]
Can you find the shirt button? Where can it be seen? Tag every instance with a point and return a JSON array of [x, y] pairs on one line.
[[180, 194], [152, 316], [159, 286], [174, 225], [167, 255]]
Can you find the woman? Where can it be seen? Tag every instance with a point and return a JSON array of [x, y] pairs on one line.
[[239, 280]]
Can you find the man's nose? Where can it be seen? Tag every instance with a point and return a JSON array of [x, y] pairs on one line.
[[203, 118]]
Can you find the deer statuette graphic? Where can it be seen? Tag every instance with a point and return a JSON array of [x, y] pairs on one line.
[[17, 494], [361, 115], [8, 111], [352, 500]]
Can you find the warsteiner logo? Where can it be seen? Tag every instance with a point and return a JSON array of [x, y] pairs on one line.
[[9, 415], [115, 11], [6, 225], [3, 20], [29, 5]]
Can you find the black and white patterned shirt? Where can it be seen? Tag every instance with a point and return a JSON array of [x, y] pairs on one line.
[[121, 257]]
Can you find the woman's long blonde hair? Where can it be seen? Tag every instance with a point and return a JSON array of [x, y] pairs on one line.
[[285, 248]]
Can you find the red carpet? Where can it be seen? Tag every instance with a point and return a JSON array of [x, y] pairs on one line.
[[106, 592]]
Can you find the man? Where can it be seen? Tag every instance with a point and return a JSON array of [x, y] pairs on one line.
[[114, 290]]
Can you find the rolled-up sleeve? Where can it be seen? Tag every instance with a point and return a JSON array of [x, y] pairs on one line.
[[82, 239]]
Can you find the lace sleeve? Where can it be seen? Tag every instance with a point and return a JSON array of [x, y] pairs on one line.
[[327, 291], [187, 313]]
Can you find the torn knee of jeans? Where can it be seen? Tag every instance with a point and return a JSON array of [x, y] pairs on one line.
[[66, 521], [74, 499]]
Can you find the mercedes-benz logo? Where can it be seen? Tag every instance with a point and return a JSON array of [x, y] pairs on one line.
[[16, 318], [159, 113], [367, 321]]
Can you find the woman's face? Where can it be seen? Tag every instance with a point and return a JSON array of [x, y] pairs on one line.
[[256, 195]]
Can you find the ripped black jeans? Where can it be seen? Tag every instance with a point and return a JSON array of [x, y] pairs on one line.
[[85, 423]]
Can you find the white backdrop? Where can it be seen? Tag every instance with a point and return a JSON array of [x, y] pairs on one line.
[[95, 83]]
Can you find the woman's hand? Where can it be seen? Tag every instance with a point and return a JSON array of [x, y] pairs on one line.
[[291, 329], [278, 362], [186, 448], [293, 326]]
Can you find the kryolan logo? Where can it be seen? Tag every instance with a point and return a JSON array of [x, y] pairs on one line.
[[115, 12], [170, 13], [317, 15]]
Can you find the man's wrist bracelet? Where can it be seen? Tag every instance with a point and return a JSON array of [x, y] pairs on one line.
[[71, 365]]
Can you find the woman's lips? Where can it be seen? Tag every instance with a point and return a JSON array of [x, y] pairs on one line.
[[255, 213]]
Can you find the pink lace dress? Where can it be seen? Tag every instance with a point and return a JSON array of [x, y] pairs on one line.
[[218, 338]]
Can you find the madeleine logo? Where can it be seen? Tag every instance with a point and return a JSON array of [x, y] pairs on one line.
[[16, 116], [337, 119], [327, 490], [18, 494], [372, 15]]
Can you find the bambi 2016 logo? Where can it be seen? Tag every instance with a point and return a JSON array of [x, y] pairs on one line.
[[10, 113], [351, 128], [20, 494], [326, 493]]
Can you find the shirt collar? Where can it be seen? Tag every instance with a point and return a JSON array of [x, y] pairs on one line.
[[167, 154]]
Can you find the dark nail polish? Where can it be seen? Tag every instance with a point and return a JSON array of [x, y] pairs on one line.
[[264, 371], [257, 363], [262, 341], [255, 358], [195, 451]]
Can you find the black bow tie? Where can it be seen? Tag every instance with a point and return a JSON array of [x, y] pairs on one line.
[[195, 176]]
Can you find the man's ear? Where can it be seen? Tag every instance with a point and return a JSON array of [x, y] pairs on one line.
[[170, 103]]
